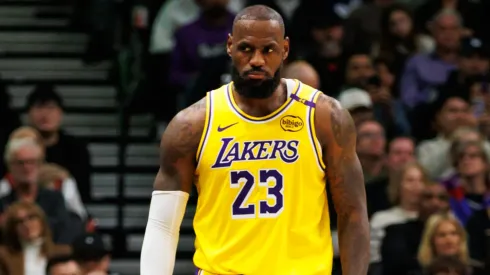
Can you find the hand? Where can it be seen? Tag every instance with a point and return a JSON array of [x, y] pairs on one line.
[[381, 95], [468, 120]]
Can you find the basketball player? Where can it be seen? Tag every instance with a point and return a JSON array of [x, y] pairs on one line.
[[259, 150]]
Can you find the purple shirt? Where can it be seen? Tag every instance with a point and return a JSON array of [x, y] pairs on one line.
[[193, 43], [423, 72]]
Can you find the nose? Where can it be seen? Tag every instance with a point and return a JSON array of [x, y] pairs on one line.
[[257, 60]]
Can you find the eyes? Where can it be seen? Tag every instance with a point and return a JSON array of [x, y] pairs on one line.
[[249, 49]]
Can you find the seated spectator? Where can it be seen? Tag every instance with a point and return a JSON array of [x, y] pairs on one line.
[[62, 265], [45, 113], [404, 192], [371, 143], [303, 72], [51, 176], [358, 103], [204, 38], [400, 152], [451, 113], [444, 236], [424, 72], [468, 187], [446, 266], [361, 73], [92, 255], [28, 244], [401, 241], [24, 158], [399, 40]]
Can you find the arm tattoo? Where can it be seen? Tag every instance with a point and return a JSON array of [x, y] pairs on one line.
[[346, 181], [178, 148]]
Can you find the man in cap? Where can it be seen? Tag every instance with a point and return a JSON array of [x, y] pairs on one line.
[[92, 255]]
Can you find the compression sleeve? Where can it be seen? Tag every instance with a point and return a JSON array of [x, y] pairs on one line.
[[167, 210]]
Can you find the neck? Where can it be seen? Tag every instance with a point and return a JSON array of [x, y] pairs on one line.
[[26, 191], [259, 107], [450, 56], [474, 185], [371, 164], [407, 206], [50, 138], [449, 3]]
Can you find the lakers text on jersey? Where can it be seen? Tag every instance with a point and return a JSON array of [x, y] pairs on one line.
[[262, 207]]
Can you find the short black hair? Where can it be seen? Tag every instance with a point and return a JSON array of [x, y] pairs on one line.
[[58, 260], [42, 94], [260, 13]]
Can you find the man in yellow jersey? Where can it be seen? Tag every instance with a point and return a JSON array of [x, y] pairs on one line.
[[259, 150]]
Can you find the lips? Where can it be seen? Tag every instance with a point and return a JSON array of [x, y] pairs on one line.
[[256, 75]]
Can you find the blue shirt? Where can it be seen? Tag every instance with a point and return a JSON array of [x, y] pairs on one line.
[[423, 72]]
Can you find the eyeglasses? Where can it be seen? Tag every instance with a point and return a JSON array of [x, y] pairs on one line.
[[22, 162], [27, 218]]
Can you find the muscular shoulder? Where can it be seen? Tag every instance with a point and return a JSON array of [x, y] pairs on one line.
[[333, 123], [183, 133]]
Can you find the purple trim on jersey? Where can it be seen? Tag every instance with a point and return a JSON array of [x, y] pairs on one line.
[[304, 101], [228, 92], [210, 112], [197, 271], [313, 138]]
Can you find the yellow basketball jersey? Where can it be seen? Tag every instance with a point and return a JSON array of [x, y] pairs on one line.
[[262, 206]]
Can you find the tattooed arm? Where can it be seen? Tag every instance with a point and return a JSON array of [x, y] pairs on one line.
[[172, 186], [337, 134]]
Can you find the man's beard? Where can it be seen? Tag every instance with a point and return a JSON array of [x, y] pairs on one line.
[[215, 11], [252, 88]]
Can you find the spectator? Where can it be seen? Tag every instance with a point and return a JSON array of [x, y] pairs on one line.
[[468, 187], [400, 152], [204, 38], [24, 158], [371, 144], [326, 52], [443, 237], [358, 103], [404, 193], [447, 266], [62, 265], [28, 241], [51, 176], [401, 241], [473, 67], [359, 70], [424, 72], [451, 113], [304, 72], [92, 255], [45, 110], [399, 40], [363, 25]]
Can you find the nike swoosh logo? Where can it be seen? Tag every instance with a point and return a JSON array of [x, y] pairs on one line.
[[224, 128]]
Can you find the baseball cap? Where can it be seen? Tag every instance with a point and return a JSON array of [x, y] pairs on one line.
[[355, 98], [89, 247], [474, 46]]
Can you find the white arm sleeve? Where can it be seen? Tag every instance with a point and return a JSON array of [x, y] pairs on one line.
[[167, 210]]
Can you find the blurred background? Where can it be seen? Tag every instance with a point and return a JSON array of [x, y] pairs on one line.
[[88, 86]]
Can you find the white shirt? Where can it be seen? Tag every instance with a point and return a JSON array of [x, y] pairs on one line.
[[382, 219], [34, 262]]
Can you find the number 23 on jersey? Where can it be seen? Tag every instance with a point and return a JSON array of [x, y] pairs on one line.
[[269, 207]]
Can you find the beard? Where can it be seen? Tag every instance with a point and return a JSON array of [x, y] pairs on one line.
[[253, 88], [215, 11]]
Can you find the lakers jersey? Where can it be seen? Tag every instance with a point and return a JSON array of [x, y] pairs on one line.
[[262, 207]]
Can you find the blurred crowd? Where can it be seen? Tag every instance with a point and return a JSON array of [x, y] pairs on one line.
[[414, 74]]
